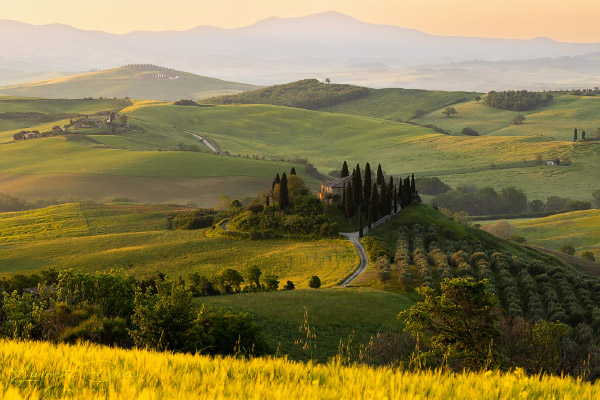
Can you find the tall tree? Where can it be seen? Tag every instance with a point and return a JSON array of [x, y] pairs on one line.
[[374, 204], [293, 171], [379, 175], [413, 187], [344, 172], [360, 223], [276, 181], [284, 196], [344, 199], [401, 194], [349, 206], [383, 199], [583, 136], [357, 186], [395, 199], [575, 135], [407, 192], [367, 183], [390, 197]]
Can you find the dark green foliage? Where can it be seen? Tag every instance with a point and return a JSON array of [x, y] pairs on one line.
[[230, 280], [289, 286], [308, 93], [349, 206], [517, 120], [520, 100], [449, 112], [284, 197], [293, 171], [276, 181], [379, 175], [575, 135], [344, 172], [194, 220], [101, 330], [431, 185], [271, 283], [588, 255], [357, 186], [567, 249], [367, 183], [383, 199], [253, 276], [314, 282], [360, 223], [390, 196], [469, 132], [413, 186], [555, 203], [577, 205], [484, 201], [459, 324], [185, 102], [374, 204]]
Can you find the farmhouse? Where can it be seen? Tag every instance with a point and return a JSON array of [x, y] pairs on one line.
[[31, 135], [331, 188], [87, 123]]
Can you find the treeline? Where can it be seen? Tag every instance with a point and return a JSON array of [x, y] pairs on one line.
[[508, 201], [377, 198], [114, 309], [520, 100], [39, 116], [308, 93], [9, 203]]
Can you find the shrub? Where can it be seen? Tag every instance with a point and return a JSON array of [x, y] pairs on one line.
[[469, 132], [577, 205], [314, 282], [289, 286], [192, 220], [567, 249], [588, 255]]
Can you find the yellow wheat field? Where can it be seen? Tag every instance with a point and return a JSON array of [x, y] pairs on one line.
[[34, 370]]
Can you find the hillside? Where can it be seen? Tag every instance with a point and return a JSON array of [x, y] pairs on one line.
[[134, 81], [37, 370], [137, 238], [309, 94], [556, 120]]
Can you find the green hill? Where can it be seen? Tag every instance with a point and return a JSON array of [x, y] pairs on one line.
[[134, 81]]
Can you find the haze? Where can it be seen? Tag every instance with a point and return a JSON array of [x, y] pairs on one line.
[[575, 21]]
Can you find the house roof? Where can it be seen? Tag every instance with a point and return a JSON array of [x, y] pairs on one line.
[[338, 183]]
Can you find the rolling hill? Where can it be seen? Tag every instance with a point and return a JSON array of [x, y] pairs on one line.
[[134, 81]]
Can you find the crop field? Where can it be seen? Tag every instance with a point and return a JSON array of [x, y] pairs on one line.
[[399, 104], [350, 314], [136, 238], [557, 120], [581, 229], [42, 370]]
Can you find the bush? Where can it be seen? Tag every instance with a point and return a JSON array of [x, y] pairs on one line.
[[470, 132], [193, 220], [314, 282], [567, 249], [577, 205], [289, 286], [431, 185], [588, 255]]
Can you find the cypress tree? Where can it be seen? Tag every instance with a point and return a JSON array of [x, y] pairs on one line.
[[293, 171], [284, 197], [407, 192], [360, 223], [344, 172], [395, 199], [374, 209], [413, 186], [379, 175], [583, 136], [383, 199], [276, 181], [267, 201], [369, 218], [357, 186], [367, 183], [575, 135], [344, 199], [401, 194], [390, 194], [349, 206]]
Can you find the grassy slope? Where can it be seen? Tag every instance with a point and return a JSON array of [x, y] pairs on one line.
[[136, 237], [131, 82], [399, 104], [581, 229], [38, 370], [334, 315], [327, 139], [556, 120]]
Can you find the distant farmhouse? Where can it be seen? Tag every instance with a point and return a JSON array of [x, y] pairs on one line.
[[334, 187], [88, 123]]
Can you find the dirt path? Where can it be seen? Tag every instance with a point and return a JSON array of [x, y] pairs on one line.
[[204, 141]]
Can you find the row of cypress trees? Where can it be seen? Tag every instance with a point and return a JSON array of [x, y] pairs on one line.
[[284, 194], [375, 199]]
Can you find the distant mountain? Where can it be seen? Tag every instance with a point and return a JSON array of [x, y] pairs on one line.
[[134, 81], [274, 50]]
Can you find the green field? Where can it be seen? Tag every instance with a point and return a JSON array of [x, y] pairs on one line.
[[399, 104], [137, 238], [557, 120], [336, 314], [138, 82], [581, 229]]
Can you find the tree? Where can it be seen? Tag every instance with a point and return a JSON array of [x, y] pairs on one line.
[[517, 120], [575, 135], [449, 112], [418, 113], [583, 136], [567, 249], [271, 282], [390, 196], [223, 203], [293, 171], [357, 186], [327, 80], [253, 276], [379, 174], [360, 223], [384, 275], [501, 228], [477, 99], [367, 183], [349, 206], [588, 255], [413, 186], [289, 286], [469, 131], [383, 199], [374, 205], [314, 282], [284, 196], [276, 181], [577, 205], [344, 172], [537, 206], [596, 196], [230, 279], [122, 119], [458, 325]]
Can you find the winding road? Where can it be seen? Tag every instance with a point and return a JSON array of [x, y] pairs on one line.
[[204, 141], [362, 255]]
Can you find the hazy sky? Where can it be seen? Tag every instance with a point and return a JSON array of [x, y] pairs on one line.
[[573, 20]]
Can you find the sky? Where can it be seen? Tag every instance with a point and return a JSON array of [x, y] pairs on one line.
[[571, 21]]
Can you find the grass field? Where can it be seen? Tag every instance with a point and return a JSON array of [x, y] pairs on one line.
[[136, 238], [42, 370], [136, 82], [334, 315], [399, 104], [557, 120], [581, 229]]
